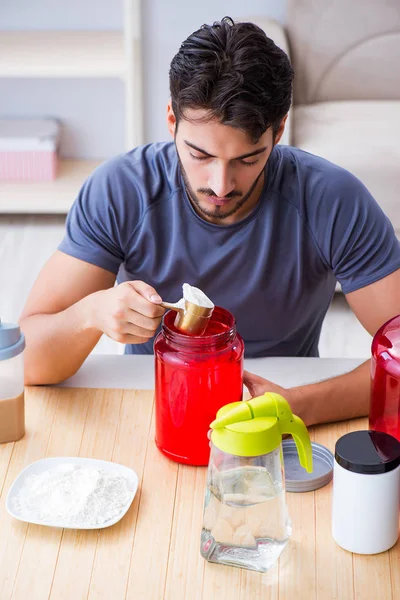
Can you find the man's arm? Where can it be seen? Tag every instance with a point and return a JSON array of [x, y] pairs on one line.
[[342, 397], [346, 396], [71, 304]]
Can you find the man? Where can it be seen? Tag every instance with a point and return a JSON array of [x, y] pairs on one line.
[[264, 230]]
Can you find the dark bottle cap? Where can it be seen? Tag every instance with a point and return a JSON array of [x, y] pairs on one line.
[[368, 452]]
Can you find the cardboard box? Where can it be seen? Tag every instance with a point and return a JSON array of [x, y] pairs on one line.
[[29, 149]]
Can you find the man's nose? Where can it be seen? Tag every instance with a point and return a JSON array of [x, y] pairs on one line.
[[221, 180]]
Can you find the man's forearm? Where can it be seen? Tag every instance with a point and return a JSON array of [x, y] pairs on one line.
[[343, 397], [57, 344]]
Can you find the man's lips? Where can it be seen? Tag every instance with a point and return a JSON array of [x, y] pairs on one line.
[[219, 201]]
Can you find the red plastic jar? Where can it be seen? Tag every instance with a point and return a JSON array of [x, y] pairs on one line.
[[384, 413], [194, 377]]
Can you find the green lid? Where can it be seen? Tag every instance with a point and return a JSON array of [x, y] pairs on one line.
[[255, 427]]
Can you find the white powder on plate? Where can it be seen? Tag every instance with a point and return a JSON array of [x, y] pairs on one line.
[[74, 495]]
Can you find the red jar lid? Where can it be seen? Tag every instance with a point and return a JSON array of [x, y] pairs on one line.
[[387, 339]]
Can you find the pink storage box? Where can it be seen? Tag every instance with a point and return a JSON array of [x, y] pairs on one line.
[[28, 149]]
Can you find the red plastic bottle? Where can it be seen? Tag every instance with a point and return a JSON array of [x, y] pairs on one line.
[[194, 377], [384, 413]]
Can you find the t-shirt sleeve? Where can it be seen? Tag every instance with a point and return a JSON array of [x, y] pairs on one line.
[[356, 239], [92, 230]]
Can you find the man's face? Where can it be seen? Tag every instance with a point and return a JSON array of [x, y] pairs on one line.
[[222, 168]]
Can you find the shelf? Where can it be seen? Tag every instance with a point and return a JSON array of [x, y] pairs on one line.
[[47, 197], [62, 54]]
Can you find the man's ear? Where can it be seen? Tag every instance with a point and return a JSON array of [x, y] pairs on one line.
[[280, 131], [171, 120]]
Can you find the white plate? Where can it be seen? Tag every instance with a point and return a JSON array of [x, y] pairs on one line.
[[50, 463]]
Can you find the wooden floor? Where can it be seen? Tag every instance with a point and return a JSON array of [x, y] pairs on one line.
[[26, 242]]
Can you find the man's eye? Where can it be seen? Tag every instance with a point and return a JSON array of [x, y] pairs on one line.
[[249, 163], [198, 157], [242, 162]]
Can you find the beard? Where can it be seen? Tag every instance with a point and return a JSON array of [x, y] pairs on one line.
[[216, 213]]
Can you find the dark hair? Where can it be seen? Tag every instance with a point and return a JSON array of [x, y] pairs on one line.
[[237, 73]]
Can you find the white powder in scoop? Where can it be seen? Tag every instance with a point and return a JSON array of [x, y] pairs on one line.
[[196, 296], [74, 495]]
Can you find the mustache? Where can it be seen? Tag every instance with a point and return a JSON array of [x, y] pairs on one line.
[[212, 194]]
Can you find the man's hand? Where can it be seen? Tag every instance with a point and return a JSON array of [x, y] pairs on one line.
[[128, 313], [343, 397], [258, 386], [70, 305]]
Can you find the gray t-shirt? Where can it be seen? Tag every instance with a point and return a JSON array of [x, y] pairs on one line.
[[275, 270]]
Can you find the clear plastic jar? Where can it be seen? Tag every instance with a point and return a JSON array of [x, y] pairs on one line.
[[246, 522], [194, 377], [12, 407]]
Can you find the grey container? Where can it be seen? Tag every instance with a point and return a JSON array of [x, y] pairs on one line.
[[296, 477]]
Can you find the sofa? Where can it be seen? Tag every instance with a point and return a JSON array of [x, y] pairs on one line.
[[346, 99]]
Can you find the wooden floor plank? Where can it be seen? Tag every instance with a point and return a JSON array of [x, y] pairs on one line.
[[78, 547], [154, 523], [185, 564], [115, 544], [394, 559], [260, 586], [6, 451], [334, 566], [40, 408], [297, 574], [215, 585], [40, 553], [372, 577]]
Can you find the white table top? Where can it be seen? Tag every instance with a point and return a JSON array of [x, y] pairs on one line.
[[137, 372]]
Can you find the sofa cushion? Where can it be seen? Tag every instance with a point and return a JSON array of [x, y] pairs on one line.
[[361, 136], [344, 49]]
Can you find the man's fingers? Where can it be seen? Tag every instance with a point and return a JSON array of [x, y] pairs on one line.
[[145, 300], [257, 385], [147, 291], [252, 378], [130, 334], [137, 330], [129, 339], [248, 380], [141, 321]]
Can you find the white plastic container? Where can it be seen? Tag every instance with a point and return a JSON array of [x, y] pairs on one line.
[[366, 492], [28, 149]]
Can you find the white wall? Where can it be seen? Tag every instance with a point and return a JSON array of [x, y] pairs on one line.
[[92, 110]]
